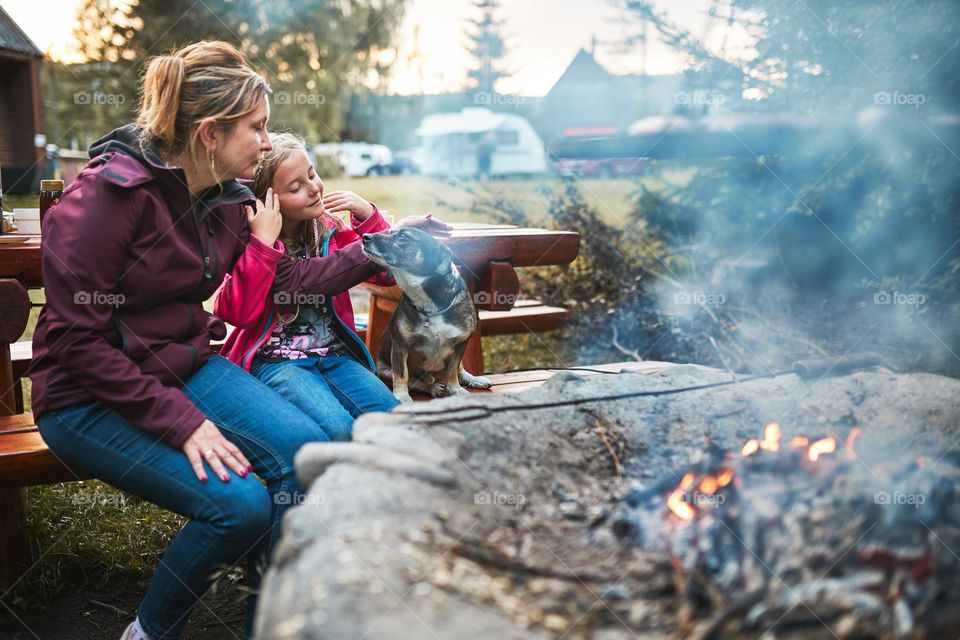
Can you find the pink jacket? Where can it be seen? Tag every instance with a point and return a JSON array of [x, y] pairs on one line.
[[246, 297]]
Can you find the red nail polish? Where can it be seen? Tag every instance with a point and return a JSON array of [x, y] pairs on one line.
[[226, 477], [243, 474], [203, 478]]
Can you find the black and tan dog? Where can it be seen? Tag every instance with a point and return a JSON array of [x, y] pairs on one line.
[[423, 347]]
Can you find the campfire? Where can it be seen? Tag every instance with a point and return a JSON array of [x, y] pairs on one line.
[[806, 534]]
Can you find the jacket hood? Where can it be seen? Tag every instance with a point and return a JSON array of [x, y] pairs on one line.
[[129, 141]]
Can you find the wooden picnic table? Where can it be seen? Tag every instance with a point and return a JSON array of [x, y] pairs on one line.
[[487, 255]]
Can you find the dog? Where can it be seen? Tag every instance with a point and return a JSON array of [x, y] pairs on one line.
[[422, 348]]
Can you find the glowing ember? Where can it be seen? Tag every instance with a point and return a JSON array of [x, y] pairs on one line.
[[799, 442], [725, 477], [820, 447], [851, 437], [676, 502], [709, 486], [771, 437], [751, 447]]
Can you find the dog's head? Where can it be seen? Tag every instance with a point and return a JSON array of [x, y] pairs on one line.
[[409, 250]]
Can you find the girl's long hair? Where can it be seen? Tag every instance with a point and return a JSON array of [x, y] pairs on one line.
[[308, 236]]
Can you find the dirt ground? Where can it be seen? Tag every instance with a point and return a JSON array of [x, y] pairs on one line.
[[102, 611]]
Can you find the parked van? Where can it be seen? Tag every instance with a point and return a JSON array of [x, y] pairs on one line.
[[356, 158]]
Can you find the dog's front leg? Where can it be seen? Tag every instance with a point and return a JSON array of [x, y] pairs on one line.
[[401, 373], [473, 382]]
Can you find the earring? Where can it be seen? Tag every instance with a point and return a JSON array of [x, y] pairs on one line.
[[213, 164]]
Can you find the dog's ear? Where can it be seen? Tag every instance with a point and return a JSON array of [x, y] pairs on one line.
[[442, 258]]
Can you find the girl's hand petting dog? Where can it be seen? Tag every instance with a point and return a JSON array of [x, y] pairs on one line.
[[266, 221], [340, 201], [428, 223]]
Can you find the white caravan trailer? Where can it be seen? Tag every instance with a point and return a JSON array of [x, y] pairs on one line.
[[478, 141]]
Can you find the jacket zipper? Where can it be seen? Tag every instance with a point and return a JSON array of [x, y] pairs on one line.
[[263, 338]]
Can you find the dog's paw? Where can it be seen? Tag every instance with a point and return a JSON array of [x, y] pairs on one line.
[[457, 391], [438, 390], [475, 382], [404, 398]]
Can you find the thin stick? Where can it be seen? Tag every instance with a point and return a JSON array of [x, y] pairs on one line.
[[617, 466], [110, 607], [622, 349]]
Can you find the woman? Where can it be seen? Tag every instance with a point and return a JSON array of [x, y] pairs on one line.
[[124, 386]]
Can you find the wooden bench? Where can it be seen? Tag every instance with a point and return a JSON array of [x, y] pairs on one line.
[[26, 461], [525, 316]]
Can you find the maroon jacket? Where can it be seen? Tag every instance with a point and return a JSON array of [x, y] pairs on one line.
[[128, 258]]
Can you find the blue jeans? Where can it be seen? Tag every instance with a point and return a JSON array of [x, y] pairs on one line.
[[229, 521], [333, 390]]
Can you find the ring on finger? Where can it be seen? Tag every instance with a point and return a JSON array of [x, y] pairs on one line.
[[208, 453]]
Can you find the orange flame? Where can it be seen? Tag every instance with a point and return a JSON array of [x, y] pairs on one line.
[[771, 437], [725, 477], [709, 486], [820, 447], [676, 502], [851, 438], [750, 448], [799, 442]]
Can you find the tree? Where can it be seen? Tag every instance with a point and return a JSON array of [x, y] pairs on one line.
[[487, 46], [835, 225], [313, 52]]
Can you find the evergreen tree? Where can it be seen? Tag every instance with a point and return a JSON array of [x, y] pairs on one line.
[[487, 46]]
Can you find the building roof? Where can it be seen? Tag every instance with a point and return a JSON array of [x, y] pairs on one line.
[[469, 120], [12, 37]]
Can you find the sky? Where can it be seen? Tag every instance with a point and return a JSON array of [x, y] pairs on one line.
[[543, 36]]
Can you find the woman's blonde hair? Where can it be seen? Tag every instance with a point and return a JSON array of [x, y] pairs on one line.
[[307, 238], [206, 79]]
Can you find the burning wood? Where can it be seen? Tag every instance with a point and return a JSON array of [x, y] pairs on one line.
[[805, 527]]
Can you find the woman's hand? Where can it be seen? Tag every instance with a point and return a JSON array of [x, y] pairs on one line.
[[207, 444], [266, 221], [339, 201], [428, 223]]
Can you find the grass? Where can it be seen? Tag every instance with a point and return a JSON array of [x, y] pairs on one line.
[[402, 196], [88, 531]]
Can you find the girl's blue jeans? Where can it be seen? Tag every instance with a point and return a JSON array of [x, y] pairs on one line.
[[229, 521], [333, 390]]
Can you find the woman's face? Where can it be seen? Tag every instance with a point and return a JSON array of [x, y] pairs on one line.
[[299, 187], [240, 152]]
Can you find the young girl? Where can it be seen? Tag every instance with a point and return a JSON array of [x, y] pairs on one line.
[[303, 346]]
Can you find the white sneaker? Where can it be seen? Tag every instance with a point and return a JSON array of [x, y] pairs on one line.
[[134, 632]]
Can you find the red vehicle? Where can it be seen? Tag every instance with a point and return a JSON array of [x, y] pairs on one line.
[[604, 168]]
